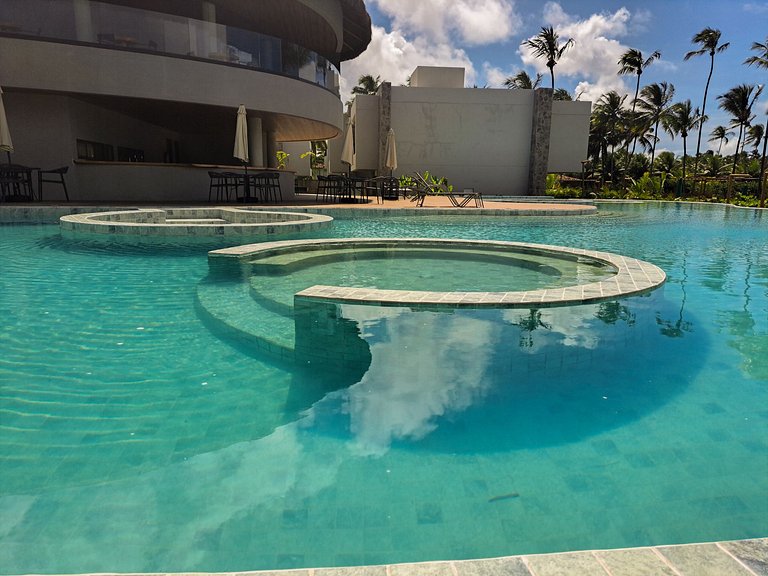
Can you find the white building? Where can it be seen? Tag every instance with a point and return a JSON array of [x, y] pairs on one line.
[[497, 141], [139, 97]]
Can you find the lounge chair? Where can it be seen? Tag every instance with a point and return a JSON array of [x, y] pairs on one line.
[[422, 189]]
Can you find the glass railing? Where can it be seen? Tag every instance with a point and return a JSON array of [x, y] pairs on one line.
[[124, 28]]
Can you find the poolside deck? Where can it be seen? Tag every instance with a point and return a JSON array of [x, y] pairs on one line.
[[50, 212]]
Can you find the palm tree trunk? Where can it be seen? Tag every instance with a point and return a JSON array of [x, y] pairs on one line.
[[761, 178], [655, 138], [703, 111], [736, 154], [634, 102], [552, 74], [685, 153]]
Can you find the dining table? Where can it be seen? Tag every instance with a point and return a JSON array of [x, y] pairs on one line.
[[16, 183]]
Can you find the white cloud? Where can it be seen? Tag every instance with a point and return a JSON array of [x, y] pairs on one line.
[[472, 22], [597, 48], [756, 7], [394, 57], [495, 76]]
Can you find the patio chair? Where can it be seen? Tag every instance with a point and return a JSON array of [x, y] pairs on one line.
[[330, 187], [458, 200], [55, 176]]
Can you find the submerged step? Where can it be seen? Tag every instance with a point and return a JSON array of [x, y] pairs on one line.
[[233, 312]]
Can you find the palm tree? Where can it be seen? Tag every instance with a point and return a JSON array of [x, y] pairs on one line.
[[522, 81], [761, 61], [681, 119], [367, 84], [609, 116], [754, 137], [632, 62], [709, 40], [546, 45], [738, 103], [654, 106], [562, 94], [722, 134]]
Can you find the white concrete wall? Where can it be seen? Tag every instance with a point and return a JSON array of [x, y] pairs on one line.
[[569, 136], [295, 162], [437, 77], [477, 138], [365, 119]]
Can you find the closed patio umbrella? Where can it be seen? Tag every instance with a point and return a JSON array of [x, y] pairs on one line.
[[5, 134], [390, 156], [348, 150], [241, 137]]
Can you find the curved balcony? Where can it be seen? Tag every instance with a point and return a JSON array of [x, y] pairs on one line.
[[116, 27]]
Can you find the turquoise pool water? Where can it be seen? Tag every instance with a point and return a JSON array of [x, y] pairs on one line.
[[136, 436]]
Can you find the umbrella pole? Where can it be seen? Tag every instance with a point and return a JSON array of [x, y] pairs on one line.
[[8, 153]]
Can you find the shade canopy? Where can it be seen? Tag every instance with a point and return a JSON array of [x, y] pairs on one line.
[[241, 136], [6, 145], [348, 150], [390, 156]]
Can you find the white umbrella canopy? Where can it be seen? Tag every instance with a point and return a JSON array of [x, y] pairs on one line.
[[241, 136], [6, 145], [348, 150], [390, 156]]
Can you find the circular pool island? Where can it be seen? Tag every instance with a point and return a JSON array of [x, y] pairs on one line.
[[193, 222]]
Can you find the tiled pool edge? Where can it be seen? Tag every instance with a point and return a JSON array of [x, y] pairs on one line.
[[205, 221], [632, 276], [727, 558], [50, 214]]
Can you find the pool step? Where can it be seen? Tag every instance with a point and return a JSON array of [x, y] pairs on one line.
[[230, 309], [195, 221]]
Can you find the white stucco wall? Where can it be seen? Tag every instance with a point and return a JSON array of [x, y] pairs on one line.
[[437, 77], [365, 119], [474, 137]]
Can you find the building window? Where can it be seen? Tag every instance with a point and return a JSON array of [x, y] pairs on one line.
[[87, 150], [129, 154]]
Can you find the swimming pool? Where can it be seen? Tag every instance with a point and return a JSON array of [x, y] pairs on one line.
[[137, 435]]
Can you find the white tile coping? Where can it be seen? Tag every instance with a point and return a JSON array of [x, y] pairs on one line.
[[631, 276], [192, 221]]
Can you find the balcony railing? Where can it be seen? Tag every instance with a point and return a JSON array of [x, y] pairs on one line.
[[124, 28]]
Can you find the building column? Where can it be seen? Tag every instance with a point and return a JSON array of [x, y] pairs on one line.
[[540, 133], [209, 17], [255, 142], [385, 122], [271, 160], [83, 22]]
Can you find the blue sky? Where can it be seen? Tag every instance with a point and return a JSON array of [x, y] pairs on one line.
[[484, 36]]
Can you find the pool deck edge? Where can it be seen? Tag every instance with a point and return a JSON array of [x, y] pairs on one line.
[[747, 557]]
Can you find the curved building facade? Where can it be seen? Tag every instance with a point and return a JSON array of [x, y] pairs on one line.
[[159, 81]]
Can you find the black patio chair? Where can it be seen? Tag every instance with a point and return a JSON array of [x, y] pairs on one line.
[[55, 176]]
